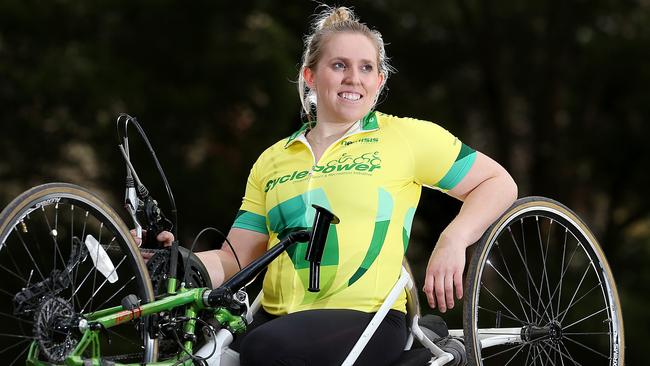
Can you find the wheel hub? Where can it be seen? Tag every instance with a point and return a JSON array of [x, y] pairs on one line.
[[555, 332], [552, 331]]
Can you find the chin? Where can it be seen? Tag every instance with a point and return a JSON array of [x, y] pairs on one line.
[[352, 116]]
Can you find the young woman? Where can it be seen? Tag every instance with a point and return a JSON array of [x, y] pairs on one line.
[[368, 168]]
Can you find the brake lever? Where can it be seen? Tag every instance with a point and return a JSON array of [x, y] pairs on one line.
[[154, 221], [142, 207]]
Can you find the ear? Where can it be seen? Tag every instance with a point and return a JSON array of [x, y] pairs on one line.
[[382, 80], [308, 75]]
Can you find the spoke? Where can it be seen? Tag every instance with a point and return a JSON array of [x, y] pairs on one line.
[[587, 333], [530, 348], [115, 294], [15, 317], [83, 230], [7, 293], [102, 285], [523, 242], [35, 242], [73, 285], [548, 356], [519, 346], [29, 253], [513, 288], [548, 283], [505, 264], [535, 354], [559, 285], [575, 292], [16, 336], [585, 318], [502, 304], [586, 347], [539, 354], [73, 277], [99, 241], [579, 299], [529, 275], [515, 355], [14, 345], [543, 275], [19, 356], [559, 352], [568, 355], [13, 274], [83, 281], [503, 315], [51, 232], [82, 240], [13, 261]]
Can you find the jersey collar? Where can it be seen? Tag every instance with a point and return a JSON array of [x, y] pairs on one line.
[[367, 123]]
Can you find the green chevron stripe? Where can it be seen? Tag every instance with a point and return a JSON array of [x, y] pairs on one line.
[[384, 213]]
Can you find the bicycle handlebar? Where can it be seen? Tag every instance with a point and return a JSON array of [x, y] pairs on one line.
[[223, 296]]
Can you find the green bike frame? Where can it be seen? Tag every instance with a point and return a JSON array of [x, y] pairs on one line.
[[112, 317]]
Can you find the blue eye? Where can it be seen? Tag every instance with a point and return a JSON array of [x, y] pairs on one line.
[[338, 66], [367, 68]]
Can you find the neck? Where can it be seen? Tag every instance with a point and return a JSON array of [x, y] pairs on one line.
[[330, 130]]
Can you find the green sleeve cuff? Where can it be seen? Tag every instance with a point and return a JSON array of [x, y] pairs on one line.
[[250, 221], [458, 171]]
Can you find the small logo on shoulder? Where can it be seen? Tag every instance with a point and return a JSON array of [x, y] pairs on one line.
[[364, 140]]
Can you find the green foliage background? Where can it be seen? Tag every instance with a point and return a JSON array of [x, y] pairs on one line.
[[554, 90]]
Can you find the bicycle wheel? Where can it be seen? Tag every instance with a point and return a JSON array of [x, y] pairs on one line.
[[540, 292], [64, 254]]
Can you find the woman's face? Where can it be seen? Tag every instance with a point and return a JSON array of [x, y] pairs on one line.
[[346, 79]]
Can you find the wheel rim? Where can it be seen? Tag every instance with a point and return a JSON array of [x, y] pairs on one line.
[[44, 258], [544, 275]]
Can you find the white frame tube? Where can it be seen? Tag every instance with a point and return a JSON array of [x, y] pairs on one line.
[[404, 281], [490, 337]]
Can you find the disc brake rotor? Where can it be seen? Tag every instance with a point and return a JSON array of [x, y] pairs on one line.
[[54, 322]]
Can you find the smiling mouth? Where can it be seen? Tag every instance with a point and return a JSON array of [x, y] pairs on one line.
[[353, 97]]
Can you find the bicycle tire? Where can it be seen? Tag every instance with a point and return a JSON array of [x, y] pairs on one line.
[[46, 237], [559, 290]]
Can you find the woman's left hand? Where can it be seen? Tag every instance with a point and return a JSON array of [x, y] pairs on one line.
[[444, 272]]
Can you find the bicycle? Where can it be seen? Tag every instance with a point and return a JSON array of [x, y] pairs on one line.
[[76, 290]]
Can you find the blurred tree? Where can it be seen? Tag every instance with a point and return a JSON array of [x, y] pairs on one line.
[[554, 90]]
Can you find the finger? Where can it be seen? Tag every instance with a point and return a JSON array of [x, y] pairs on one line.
[[439, 286], [166, 238], [449, 291], [458, 282], [137, 240], [146, 255], [428, 290]]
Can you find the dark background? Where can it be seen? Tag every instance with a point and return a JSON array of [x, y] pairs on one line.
[[555, 90]]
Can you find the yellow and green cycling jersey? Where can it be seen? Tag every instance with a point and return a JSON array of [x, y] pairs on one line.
[[371, 179]]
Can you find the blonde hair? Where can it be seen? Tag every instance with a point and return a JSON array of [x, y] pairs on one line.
[[330, 21]]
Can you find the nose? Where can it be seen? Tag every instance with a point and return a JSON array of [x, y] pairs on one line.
[[352, 76]]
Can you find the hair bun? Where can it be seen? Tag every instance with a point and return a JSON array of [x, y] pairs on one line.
[[338, 15], [331, 16]]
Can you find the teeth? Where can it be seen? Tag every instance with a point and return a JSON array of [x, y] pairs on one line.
[[351, 96]]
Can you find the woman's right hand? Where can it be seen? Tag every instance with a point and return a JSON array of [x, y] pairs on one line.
[[165, 238]]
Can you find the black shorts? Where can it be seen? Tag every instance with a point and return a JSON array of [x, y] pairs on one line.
[[320, 337]]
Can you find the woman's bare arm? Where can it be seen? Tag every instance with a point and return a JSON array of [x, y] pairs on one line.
[[486, 192], [221, 263]]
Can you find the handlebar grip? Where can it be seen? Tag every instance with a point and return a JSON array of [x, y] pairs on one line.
[[316, 245]]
